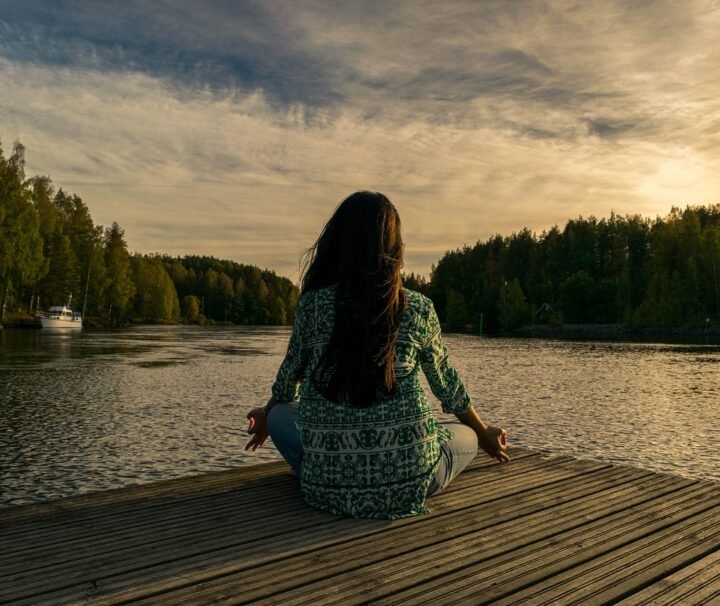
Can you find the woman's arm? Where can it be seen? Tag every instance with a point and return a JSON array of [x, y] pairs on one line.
[[441, 375], [287, 382], [286, 387], [449, 389]]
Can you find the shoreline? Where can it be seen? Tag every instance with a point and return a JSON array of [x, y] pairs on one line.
[[598, 332], [569, 332], [619, 332], [29, 323]]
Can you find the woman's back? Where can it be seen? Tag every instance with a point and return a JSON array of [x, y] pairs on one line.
[[363, 438], [378, 460]]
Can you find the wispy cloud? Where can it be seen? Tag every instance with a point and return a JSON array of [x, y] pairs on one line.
[[234, 128]]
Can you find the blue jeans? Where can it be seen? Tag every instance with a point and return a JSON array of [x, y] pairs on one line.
[[455, 454]]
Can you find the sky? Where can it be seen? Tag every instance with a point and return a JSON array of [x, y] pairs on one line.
[[234, 129]]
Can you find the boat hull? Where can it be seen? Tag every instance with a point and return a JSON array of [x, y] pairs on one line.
[[61, 324]]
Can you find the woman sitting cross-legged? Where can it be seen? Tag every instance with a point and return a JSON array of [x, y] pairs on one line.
[[347, 410]]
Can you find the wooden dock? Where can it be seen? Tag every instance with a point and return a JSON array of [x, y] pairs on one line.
[[540, 530]]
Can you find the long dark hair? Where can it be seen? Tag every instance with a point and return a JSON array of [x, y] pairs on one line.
[[361, 251]]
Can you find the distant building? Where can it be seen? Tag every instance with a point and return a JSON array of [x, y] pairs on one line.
[[544, 314]]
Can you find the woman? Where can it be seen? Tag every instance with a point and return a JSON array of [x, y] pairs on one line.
[[347, 410]]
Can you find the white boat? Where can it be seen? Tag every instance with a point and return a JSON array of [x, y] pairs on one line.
[[61, 317]]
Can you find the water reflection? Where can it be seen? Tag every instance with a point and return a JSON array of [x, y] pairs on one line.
[[648, 405], [96, 410]]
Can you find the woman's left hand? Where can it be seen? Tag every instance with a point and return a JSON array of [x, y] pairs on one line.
[[257, 427], [493, 440]]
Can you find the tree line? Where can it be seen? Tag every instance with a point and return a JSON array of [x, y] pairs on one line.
[[51, 250], [662, 272]]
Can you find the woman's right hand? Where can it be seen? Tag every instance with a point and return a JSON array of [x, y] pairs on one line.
[[493, 440], [257, 428]]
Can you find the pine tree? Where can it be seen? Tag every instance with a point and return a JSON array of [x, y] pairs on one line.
[[120, 289], [457, 315], [191, 309], [21, 259]]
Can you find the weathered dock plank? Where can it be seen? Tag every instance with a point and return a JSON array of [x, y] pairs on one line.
[[698, 583], [541, 530]]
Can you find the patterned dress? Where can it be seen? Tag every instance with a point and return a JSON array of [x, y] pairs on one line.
[[375, 462]]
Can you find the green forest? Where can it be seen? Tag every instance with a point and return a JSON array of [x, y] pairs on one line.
[[631, 270], [50, 249], [662, 272]]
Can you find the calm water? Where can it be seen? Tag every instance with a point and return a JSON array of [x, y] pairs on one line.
[[100, 410]]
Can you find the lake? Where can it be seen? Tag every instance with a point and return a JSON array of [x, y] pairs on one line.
[[101, 409]]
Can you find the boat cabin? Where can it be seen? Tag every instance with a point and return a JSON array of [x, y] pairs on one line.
[[62, 312]]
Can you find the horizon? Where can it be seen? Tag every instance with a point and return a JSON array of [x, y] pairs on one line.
[[234, 131]]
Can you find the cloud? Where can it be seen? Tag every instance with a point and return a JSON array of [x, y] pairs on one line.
[[222, 45], [609, 128], [235, 128]]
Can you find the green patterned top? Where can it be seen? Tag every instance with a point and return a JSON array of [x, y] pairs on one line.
[[375, 462]]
